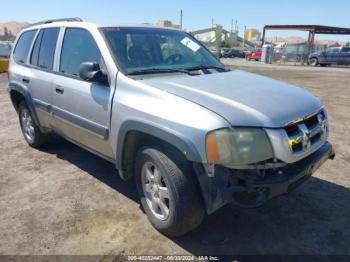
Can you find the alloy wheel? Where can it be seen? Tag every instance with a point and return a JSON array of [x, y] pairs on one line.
[[27, 126], [155, 190]]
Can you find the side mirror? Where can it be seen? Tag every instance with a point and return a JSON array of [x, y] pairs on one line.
[[91, 71]]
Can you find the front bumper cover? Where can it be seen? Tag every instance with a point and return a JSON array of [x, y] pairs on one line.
[[252, 188]]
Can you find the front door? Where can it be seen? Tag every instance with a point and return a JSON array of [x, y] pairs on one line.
[[81, 109], [332, 55], [345, 56]]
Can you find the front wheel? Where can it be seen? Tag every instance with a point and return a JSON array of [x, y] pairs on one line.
[[168, 191], [313, 61]]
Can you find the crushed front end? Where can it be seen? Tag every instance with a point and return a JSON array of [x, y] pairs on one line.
[[299, 149]]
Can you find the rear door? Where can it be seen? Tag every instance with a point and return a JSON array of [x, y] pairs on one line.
[[81, 109], [19, 71], [41, 72]]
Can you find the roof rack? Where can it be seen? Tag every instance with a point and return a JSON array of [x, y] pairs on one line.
[[71, 19]]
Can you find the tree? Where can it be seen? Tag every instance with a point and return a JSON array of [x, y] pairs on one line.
[[225, 44], [6, 32], [7, 36]]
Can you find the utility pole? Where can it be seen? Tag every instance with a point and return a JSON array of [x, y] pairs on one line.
[[245, 29], [181, 14]]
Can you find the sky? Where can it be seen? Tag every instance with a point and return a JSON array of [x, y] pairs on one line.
[[196, 13]]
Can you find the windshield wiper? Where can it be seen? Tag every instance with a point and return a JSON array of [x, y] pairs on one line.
[[199, 67], [161, 70]]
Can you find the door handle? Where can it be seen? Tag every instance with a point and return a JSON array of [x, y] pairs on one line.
[[59, 90], [25, 80]]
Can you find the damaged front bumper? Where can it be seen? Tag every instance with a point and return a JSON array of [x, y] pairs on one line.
[[252, 188]]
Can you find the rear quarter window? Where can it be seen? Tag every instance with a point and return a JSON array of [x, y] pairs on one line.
[[23, 45]]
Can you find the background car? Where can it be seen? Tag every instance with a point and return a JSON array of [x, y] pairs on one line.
[[331, 56], [254, 55], [234, 53], [224, 51], [215, 51]]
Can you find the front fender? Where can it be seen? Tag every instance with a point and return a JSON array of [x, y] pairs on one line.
[[172, 137]]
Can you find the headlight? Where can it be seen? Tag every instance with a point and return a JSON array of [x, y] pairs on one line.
[[238, 146]]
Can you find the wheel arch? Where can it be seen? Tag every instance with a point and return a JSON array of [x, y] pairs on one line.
[[19, 93], [134, 134], [314, 57]]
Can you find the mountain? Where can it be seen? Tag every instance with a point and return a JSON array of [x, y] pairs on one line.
[[13, 27], [298, 39], [289, 40]]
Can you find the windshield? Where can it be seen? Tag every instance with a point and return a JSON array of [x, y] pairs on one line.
[[152, 49]]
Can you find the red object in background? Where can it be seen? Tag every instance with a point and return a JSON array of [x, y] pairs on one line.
[[254, 55]]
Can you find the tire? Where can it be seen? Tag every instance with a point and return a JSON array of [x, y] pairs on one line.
[[31, 132], [313, 61], [173, 188]]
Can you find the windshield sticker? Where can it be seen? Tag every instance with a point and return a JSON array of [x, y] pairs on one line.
[[190, 44]]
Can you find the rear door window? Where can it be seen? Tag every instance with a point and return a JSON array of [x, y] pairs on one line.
[[35, 53], [78, 46], [44, 48], [23, 45]]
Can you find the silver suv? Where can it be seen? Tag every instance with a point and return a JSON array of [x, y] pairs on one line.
[[156, 103]]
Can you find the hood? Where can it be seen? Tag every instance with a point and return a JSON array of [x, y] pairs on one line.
[[318, 53], [242, 98]]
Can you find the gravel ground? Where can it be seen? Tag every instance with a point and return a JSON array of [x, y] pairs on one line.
[[64, 200]]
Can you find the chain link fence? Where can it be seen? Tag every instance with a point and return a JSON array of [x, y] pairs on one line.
[[291, 54]]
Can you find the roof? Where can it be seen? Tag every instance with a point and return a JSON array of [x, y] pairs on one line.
[[75, 21], [318, 29], [137, 25]]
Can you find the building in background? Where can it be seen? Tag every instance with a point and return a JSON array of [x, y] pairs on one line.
[[252, 35], [167, 23]]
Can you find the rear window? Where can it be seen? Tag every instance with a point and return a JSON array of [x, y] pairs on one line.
[[346, 49], [23, 45], [44, 48]]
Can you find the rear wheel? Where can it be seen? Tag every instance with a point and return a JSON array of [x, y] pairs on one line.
[[168, 191], [31, 132]]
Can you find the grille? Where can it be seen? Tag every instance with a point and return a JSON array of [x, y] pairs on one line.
[[307, 133]]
